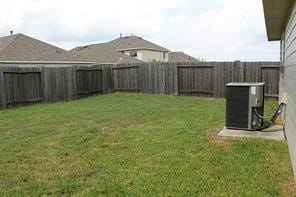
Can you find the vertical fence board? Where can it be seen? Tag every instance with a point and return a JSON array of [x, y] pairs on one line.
[[107, 86], [2, 93]]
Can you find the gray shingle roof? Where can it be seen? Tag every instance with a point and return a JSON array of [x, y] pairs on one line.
[[181, 57], [6, 41], [19, 47], [134, 42], [110, 52], [101, 53]]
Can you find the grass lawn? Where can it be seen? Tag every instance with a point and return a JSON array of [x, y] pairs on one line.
[[128, 144]]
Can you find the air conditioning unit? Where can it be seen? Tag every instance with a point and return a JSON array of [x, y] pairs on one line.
[[244, 105]]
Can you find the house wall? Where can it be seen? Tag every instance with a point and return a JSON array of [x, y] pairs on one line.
[[150, 55], [288, 82]]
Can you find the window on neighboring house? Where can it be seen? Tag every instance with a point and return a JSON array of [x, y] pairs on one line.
[[163, 54], [133, 53]]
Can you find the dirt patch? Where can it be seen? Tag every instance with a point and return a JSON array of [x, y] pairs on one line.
[[222, 141], [214, 139], [289, 188], [279, 121]]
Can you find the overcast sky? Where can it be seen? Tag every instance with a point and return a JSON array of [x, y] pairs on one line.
[[209, 29]]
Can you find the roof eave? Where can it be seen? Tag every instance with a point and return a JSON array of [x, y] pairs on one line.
[[276, 13], [43, 62]]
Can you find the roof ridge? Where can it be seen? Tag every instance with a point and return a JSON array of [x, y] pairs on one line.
[[17, 36], [134, 37], [41, 41], [152, 43], [90, 45]]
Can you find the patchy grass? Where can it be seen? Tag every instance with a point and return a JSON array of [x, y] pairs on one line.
[[127, 144]]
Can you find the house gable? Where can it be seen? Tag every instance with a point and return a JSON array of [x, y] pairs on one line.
[[134, 43]]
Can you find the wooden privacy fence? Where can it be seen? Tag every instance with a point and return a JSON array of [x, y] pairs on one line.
[[270, 75], [125, 79], [22, 86], [194, 79], [89, 81], [28, 85]]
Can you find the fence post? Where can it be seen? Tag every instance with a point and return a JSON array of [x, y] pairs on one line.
[[45, 84], [108, 79], [237, 72], [2, 93], [215, 80], [162, 91], [243, 69], [74, 82], [175, 79]]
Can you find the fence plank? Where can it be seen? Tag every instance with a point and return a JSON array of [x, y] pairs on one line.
[[2, 93], [106, 77]]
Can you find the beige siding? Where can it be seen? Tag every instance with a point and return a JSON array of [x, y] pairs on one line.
[[288, 82], [139, 54], [150, 55]]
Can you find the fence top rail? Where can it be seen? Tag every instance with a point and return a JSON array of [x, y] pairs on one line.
[[46, 62], [201, 63], [90, 69], [125, 67], [21, 72], [270, 66], [195, 66]]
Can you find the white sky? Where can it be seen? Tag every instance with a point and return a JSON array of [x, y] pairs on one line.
[[209, 29]]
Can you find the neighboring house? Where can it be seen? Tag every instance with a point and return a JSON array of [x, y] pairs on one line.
[[129, 49], [280, 19], [101, 54], [141, 49], [19, 47], [181, 57]]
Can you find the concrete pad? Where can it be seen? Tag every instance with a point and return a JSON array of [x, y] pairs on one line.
[[274, 132]]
